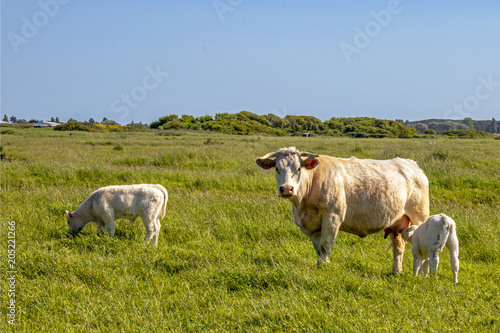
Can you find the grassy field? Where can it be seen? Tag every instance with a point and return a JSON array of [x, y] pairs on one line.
[[229, 257]]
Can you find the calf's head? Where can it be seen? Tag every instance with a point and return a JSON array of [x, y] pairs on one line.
[[408, 233], [75, 224], [289, 164]]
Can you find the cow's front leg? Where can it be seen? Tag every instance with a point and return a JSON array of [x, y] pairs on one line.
[[398, 249], [324, 241]]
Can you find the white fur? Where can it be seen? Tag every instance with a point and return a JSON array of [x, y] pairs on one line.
[[110, 203], [428, 240]]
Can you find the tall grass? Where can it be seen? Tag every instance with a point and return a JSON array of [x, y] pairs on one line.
[[229, 257]]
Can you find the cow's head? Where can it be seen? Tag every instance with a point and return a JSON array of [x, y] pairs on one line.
[[289, 164], [408, 233], [75, 224]]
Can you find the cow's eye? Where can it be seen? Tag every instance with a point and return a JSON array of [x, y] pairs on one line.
[[297, 172], [278, 171]]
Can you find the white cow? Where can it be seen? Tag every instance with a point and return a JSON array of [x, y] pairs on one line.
[[110, 203], [428, 239], [358, 196]]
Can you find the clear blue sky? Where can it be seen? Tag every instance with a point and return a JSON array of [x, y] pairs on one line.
[[140, 60]]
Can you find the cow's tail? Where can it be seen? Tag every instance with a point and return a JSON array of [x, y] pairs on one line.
[[165, 199], [388, 247]]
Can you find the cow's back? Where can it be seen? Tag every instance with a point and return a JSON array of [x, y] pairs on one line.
[[377, 192]]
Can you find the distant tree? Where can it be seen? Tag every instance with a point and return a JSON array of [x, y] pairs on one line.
[[71, 121], [104, 119], [275, 121], [13, 119], [401, 121], [469, 122], [57, 120], [5, 118], [335, 125], [421, 127], [91, 120], [22, 121], [109, 122], [163, 120], [447, 125], [32, 121], [52, 119]]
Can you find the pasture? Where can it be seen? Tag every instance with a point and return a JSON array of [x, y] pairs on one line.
[[229, 257]]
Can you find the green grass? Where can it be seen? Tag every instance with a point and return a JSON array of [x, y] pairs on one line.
[[229, 257]]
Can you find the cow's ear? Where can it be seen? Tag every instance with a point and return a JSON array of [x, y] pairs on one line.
[[70, 214], [311, 163], [265, 163]]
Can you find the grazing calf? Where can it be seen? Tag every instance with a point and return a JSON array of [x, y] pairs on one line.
[[428, 239], [109, 203]]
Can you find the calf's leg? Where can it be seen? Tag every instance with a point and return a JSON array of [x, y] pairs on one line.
[[109, 222], [417, 264], [100, 228], [424, 271], [433, 260], [152, 229], [154, 240]]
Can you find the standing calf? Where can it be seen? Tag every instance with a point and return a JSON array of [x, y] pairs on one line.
[[109, 203], [428, 239]]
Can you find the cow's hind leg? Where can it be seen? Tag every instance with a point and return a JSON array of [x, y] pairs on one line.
[[398, 249]]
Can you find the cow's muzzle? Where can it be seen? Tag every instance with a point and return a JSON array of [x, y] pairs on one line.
[[287, 191]]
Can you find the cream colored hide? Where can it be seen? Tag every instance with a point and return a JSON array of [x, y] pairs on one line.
[[107, 204], [358, 196], [428, 239]]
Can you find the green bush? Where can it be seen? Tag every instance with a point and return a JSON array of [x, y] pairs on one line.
[[467, 134]]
